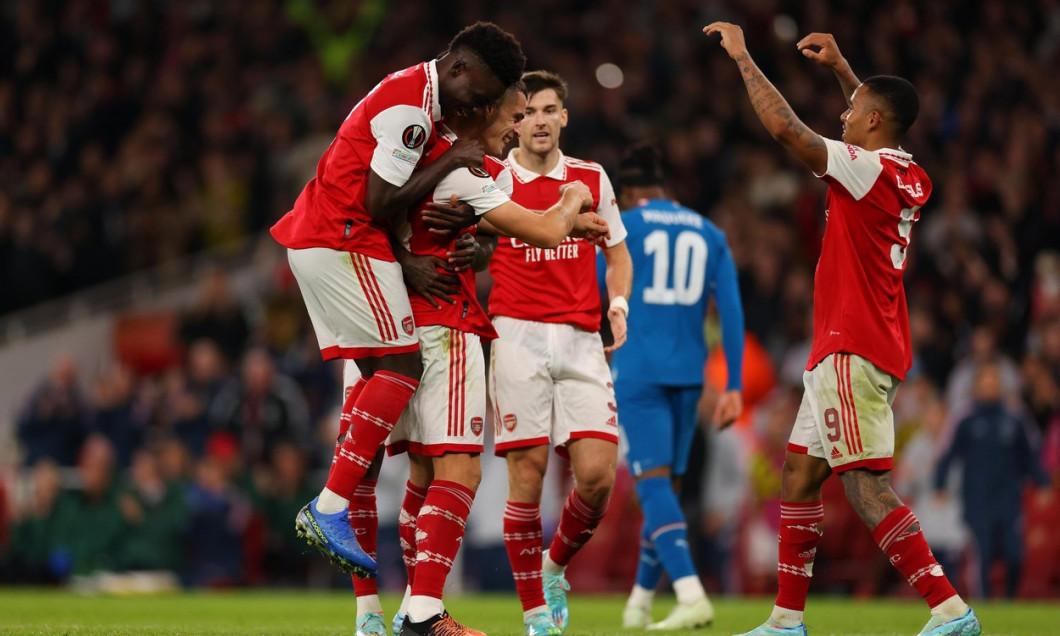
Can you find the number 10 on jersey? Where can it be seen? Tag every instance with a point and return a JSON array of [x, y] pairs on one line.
[[681, 283]]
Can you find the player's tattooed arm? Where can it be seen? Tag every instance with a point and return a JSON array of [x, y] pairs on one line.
[[870, 494], [822, 48], [772, 109]]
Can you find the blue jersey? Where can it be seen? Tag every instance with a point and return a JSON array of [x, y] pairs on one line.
[[680, 260]]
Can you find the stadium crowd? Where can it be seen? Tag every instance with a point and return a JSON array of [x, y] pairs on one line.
[[134, 133]]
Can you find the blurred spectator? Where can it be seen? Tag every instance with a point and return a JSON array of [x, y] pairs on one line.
[[285, 491], [261, 409], [91, 527], [216, 317], [996, 454], [218, 513], [188, 391], [55, 419], [31, 555], [155, 516], [983, 350], [118, 414], [723, 496]]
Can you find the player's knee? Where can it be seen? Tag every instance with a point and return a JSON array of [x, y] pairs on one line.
[[595, 484], [461, 468], [525, 482], [801, 480]]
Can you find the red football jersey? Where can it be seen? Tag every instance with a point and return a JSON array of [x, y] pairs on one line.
[[484, 190], [557, 285], [387, 132], [874, 198]]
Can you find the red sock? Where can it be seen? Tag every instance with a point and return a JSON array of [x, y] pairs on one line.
[[800, 532], [381, 402], [910, 554], [365, 523], [352, 393], [522, 540], [410, 509], [576, 526], [439, 532]]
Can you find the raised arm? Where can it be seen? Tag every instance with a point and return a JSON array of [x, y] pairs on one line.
[[770, 106], [821, 48]]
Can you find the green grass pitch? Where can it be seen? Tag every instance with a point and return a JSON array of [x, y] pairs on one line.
[[32, 611]]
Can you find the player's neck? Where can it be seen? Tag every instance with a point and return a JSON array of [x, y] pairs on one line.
[[534, 162], [875, 143]]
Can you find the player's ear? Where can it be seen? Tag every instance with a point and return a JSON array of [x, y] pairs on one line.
[[875, 119], [563, 123]]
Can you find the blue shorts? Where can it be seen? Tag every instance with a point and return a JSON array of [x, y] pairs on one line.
[[658, 423]]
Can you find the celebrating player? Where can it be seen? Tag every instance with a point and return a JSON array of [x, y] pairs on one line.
[[339, 252], [443, 424], [680, 260], [548, 375], [861, 347]]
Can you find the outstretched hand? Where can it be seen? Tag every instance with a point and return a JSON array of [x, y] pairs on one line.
[[821, 48], [731, 37]]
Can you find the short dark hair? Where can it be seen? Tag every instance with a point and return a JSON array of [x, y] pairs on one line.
[[537, 81], [898, 96], [641, 166], [497, 49]]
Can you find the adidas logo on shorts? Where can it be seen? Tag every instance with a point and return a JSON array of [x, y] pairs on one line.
[[835, 453]]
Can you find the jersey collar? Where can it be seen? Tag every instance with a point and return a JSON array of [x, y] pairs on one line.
[[898, 155], [525, 175], [432, 86], [447, 133]]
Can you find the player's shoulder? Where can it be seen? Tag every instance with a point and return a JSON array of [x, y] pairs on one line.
[[405, 87], [582, 164], [495, 166]]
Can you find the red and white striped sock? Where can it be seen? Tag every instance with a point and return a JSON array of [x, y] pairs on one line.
[[576, 526], [909, 552], [439, 532], [410, 509], [372, 418], [522, 540], [364, 519], [352, 393], [800, 532]]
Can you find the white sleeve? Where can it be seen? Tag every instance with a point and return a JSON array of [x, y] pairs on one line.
[[608, 209], [401, 136], [473, 186], [854, 168], [505, 182]]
